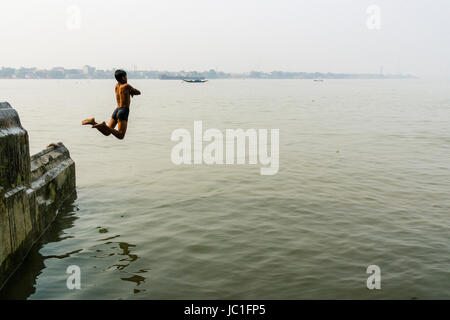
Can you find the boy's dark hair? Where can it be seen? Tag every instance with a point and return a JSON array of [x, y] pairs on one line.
[[119, 74]]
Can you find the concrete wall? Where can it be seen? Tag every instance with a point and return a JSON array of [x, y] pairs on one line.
[[31, 190]]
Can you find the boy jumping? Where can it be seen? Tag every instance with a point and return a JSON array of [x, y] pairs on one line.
[[120, 115]]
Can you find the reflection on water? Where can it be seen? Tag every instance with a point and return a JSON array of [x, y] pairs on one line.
[[111, 255], [123, 250], [22, 284]]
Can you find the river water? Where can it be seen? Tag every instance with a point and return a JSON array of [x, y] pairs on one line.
[[363, 180]]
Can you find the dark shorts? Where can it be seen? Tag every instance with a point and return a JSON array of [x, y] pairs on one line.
[[121, 114]]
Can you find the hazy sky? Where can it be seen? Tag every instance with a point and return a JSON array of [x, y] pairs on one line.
[[228, 35]]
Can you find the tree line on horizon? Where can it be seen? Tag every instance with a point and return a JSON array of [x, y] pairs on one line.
[[88, 72]]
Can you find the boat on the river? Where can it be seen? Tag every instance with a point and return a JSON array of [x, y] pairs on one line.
[[195, 80]]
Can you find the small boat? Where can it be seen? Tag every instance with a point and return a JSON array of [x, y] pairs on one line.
[[318, 80], [195, 80]]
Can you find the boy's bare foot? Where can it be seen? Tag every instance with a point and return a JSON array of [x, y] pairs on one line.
[[88, 121]]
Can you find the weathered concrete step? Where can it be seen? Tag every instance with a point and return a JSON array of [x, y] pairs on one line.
[[32, 189]]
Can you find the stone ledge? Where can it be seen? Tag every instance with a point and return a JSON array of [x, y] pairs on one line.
[[32, 189], [9, 118]]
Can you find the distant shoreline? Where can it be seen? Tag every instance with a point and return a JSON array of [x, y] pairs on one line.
[[181, 79], [88, 72]]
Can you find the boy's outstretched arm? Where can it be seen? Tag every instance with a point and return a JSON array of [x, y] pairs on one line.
[[133, 91]]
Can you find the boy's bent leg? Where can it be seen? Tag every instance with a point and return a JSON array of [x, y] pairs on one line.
[[122, 129], [103, 128], [112, 123]]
